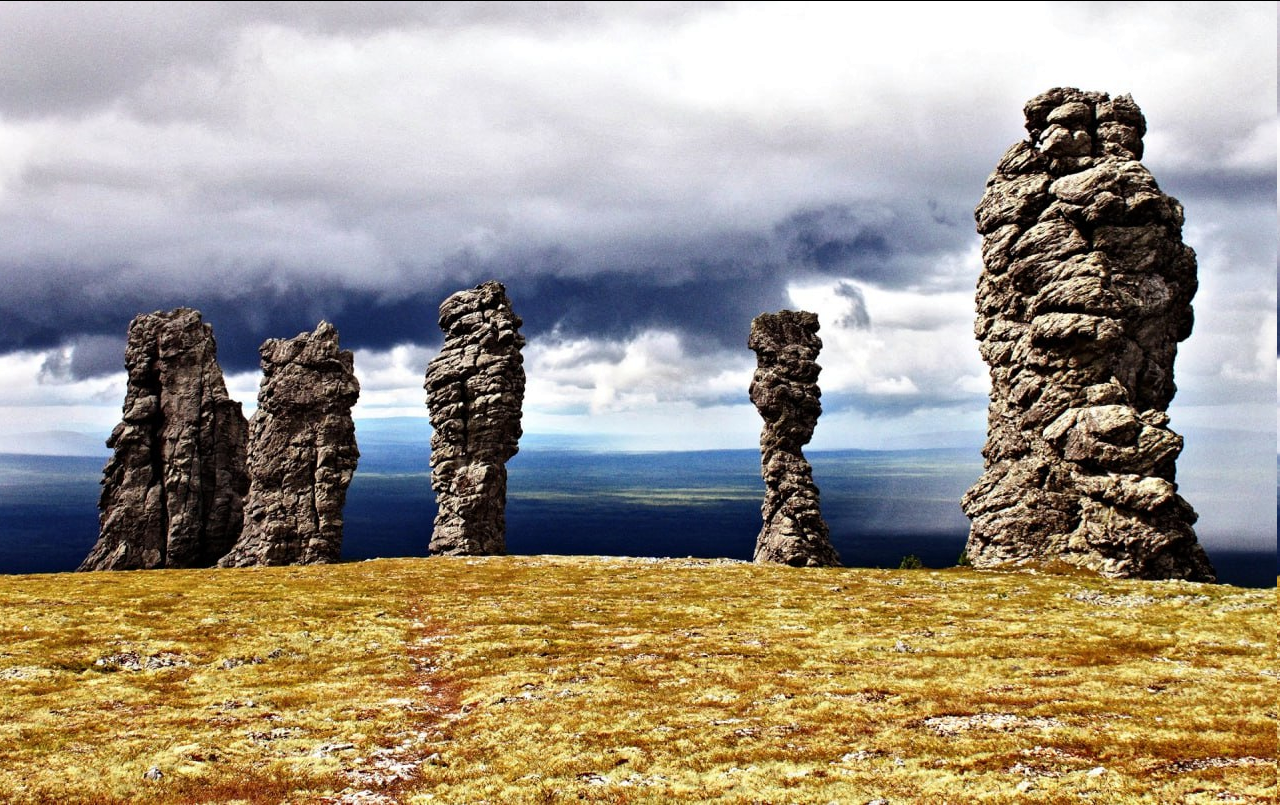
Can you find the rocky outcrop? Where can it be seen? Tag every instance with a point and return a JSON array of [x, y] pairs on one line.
[[172, 492], [785, 391], [302, 453], [475, 390], [1085, 293]]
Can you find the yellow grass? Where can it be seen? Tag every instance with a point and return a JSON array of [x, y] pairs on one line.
[[541, 679]]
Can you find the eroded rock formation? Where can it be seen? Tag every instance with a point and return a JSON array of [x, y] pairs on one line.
[[172, 492], [785, 391], [475, 390], [302, 453], [1085, 293]]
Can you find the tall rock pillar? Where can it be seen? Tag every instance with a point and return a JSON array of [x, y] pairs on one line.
[[1085, 293], [172, 492], [302, 453], [475, 390], [785, 391]]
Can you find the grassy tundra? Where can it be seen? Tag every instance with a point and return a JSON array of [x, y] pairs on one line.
[[548, 679]]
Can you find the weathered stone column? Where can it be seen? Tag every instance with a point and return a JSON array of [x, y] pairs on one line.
[[475, 389], [785, 391], [1085, 293], [302, 453], [172, 492]]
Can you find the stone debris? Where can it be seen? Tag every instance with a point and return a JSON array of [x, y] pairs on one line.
[[475, 390], [302, 453], [173, 489], [236, 662], [995, 722], [360, 797], [387, 765], [785, 392], [1201, 764], [133, 661], [1085, 293], [277, 734]]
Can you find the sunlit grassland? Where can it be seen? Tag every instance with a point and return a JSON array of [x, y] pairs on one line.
[[528, 679]]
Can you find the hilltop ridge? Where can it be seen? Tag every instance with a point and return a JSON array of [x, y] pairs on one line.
[[547, 679]]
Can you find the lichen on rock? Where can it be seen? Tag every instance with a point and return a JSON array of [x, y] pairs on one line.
[[785, 392], [475, 391], [173, 489], [302, 453], [1085, 293]]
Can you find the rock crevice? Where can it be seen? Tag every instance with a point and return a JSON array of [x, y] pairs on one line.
[[475, 391], [1085, 293], [785, 392]]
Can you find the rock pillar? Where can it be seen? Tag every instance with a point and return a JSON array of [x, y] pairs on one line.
[[785, 391], [1084, 295], [302, 453], [475, 389], [172, 492]]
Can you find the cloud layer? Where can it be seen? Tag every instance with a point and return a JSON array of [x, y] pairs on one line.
[[645, 178]]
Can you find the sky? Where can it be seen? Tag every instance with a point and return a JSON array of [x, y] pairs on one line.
[[645, 178]]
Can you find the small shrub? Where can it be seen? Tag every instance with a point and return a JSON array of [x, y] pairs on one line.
[[910, 562]]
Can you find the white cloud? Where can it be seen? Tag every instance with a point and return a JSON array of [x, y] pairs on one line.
[[651, 368], [916, 350]]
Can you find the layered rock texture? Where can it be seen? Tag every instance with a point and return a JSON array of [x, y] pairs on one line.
[[302, 453], [475, 390], [173, 490], [1085, 293], [785, 391]]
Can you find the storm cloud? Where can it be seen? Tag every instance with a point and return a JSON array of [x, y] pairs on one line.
[[645, 178]]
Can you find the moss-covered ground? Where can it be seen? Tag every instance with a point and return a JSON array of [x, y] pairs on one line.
[[558, 679]]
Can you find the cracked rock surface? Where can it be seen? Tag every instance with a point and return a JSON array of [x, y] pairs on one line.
[[785, 392], [475, 390], [1085, 293], [172, 491], [302, 453]]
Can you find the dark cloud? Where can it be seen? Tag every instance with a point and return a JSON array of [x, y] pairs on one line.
[[857, 318], [707, 288], [85, 356], [832, 238]]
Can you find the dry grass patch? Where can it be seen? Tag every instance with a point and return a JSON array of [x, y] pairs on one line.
[[204, 686], [548, 679]]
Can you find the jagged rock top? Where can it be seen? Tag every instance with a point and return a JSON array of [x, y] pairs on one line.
[[785, 387], [309, 371]]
